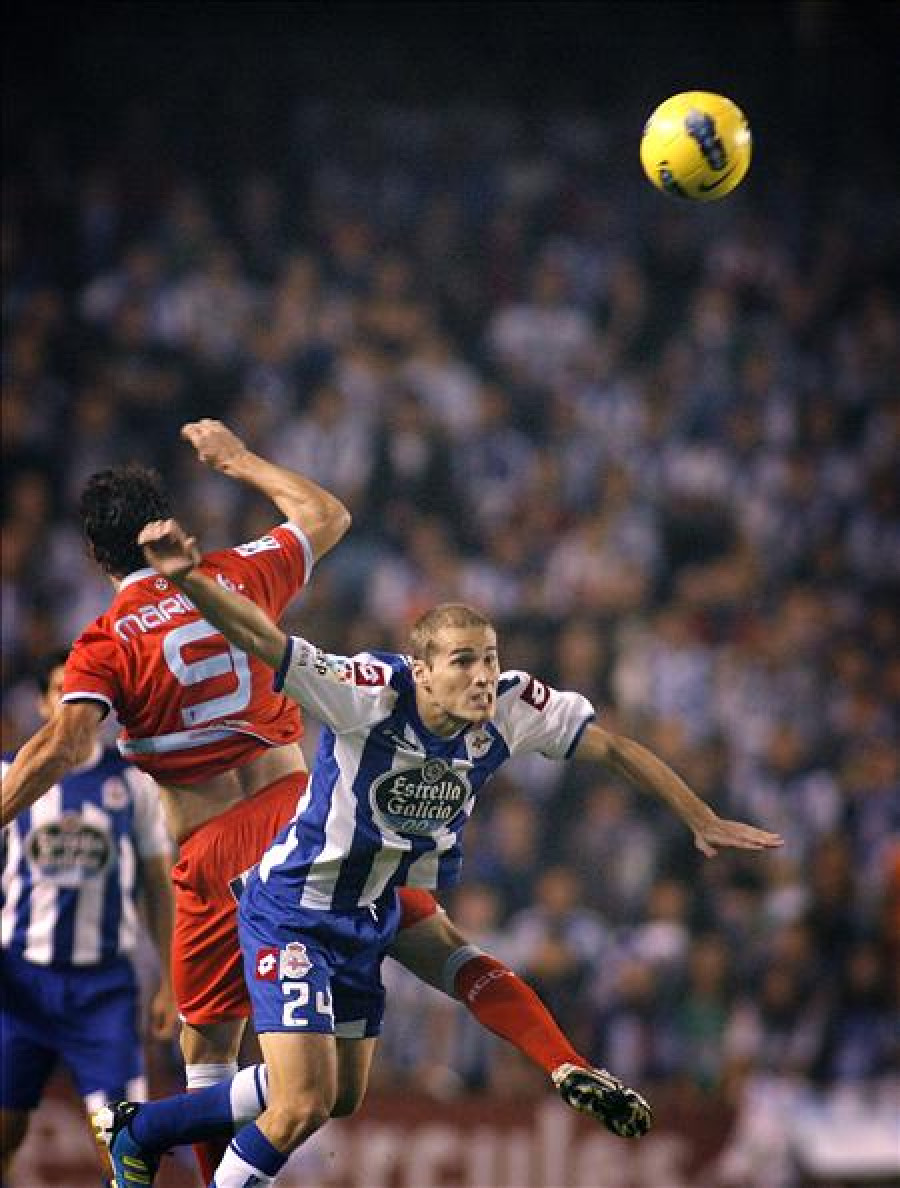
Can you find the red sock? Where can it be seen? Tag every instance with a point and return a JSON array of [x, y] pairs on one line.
[[209, 1156], [504, 1004]]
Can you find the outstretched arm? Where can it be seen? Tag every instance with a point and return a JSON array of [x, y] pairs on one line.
[[322, 516], [630, 759], [174, 554], [61, 744]]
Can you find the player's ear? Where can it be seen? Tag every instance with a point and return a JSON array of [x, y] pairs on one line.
[[420, 673]]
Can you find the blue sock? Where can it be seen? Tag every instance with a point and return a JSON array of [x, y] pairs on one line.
[[184, 1118], [251, 1145]]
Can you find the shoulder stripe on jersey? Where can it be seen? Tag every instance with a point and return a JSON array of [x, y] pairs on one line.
[[578, 733], [75, 695], [308, 556], [278, 682], [505, 684], [188, 740]]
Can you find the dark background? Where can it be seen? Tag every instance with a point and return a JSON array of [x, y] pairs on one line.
[[222, 72]]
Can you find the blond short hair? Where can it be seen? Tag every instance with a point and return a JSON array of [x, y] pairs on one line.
[[446, 614]]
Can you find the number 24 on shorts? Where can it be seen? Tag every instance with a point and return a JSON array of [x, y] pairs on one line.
[[297, 994]]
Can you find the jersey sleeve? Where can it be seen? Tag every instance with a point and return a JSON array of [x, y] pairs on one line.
[[151, 838], [272, 569], [540, 718], [345, 692], [92, 670]]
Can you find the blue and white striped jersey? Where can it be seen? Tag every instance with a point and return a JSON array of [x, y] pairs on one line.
[[71, 864], [387, 799]]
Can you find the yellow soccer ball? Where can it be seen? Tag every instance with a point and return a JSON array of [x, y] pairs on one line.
[[697, 145]]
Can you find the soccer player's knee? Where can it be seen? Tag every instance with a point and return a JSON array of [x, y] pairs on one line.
[[290, 1122]]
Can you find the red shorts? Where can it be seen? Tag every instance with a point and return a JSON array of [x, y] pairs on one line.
[[416, 905], [207, 969]]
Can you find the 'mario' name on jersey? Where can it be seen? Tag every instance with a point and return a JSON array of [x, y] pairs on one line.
[[388, 799]]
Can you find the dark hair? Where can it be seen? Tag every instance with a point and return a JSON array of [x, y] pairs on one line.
[[47, 665], [114, 506]]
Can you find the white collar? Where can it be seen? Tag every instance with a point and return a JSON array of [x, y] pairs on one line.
[[137, 576]]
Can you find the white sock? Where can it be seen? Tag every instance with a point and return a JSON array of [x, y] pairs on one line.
[[201, 1076], [454, 963], [249, 1094], [235, 1172]]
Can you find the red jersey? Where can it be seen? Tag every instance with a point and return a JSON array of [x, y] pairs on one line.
[[191, 704]]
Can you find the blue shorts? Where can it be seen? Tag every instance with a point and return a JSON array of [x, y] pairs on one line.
[[315, 971], [83, 1017]]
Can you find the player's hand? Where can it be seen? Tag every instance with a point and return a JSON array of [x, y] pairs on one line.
[[716, 833], [214, 442], [163, 1013], [168, 548]]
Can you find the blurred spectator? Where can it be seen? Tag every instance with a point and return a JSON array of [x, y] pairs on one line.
[[702, 1012], [778, 1030], [632, 1030], [557, 942], [861, 1040]]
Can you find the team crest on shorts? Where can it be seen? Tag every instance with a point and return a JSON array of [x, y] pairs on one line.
[[294, 961]]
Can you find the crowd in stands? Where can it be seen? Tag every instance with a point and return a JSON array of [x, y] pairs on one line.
[[657, 443]]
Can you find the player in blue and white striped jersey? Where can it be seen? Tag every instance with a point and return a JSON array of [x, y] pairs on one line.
[[392, 789], [409, 743], [73, 868]]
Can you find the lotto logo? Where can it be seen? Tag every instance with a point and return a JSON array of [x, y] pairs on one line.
[[267, 965], [368, 674], [536, 693]]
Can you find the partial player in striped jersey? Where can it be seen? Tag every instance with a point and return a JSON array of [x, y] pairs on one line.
[[74, 868], [409, 742]]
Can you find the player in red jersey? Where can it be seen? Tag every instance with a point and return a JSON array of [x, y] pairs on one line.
[[198, 715]]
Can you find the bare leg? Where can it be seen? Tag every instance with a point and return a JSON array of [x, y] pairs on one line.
[[210, 1052], [212, 1043], [303, 1084], [354, 1062]]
